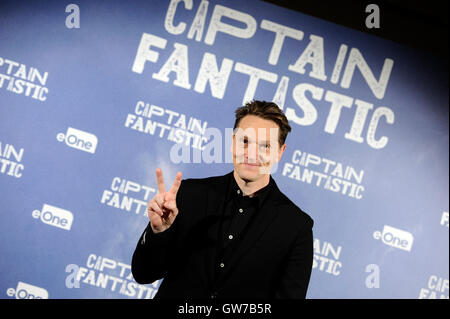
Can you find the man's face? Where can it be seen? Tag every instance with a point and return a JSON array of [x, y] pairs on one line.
[[255, 147]]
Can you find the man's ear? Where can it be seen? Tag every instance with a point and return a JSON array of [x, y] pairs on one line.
[[281, 151]]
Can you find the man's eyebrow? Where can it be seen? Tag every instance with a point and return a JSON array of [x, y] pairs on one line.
[[259, 141], [252, 138]]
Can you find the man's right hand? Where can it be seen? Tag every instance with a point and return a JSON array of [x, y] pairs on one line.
[[162, 209]]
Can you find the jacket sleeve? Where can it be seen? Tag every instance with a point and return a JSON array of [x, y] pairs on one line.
[[297, 272], [152, 255]]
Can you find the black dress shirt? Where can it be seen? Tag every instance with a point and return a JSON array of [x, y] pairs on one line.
[[238, 213]]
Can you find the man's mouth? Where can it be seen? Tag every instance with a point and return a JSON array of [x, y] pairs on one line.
[[251, 164]]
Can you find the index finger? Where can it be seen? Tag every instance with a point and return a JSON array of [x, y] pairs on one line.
[[176, 183], [160, 181]]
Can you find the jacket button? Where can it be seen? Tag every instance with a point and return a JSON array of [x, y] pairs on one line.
[[213, 295]]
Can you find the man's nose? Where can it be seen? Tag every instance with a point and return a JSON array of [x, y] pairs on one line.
[[251, 153]]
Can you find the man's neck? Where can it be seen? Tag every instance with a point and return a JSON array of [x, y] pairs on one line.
[[251, 187]]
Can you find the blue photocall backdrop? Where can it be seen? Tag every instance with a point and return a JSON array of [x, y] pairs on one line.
[[95, 95]]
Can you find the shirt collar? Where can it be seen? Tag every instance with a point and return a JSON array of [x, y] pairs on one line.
[[260, 195]]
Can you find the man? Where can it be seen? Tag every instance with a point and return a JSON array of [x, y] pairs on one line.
[[231, 236]]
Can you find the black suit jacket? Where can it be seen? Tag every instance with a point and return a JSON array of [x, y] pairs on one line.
[[274, 259]]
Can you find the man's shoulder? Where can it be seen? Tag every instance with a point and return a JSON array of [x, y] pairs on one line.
[[199, 185], [205, 181], [292, 211]]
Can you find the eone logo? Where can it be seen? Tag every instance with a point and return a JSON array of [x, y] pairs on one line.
[[79, 139], [395, 237], [27, 291], [54, 216]]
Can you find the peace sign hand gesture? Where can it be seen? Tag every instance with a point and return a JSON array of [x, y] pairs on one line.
[[162, 209]]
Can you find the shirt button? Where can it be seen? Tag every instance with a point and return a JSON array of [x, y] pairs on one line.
[[230, 237], [238, 191], [241, 210], [222, 265]]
